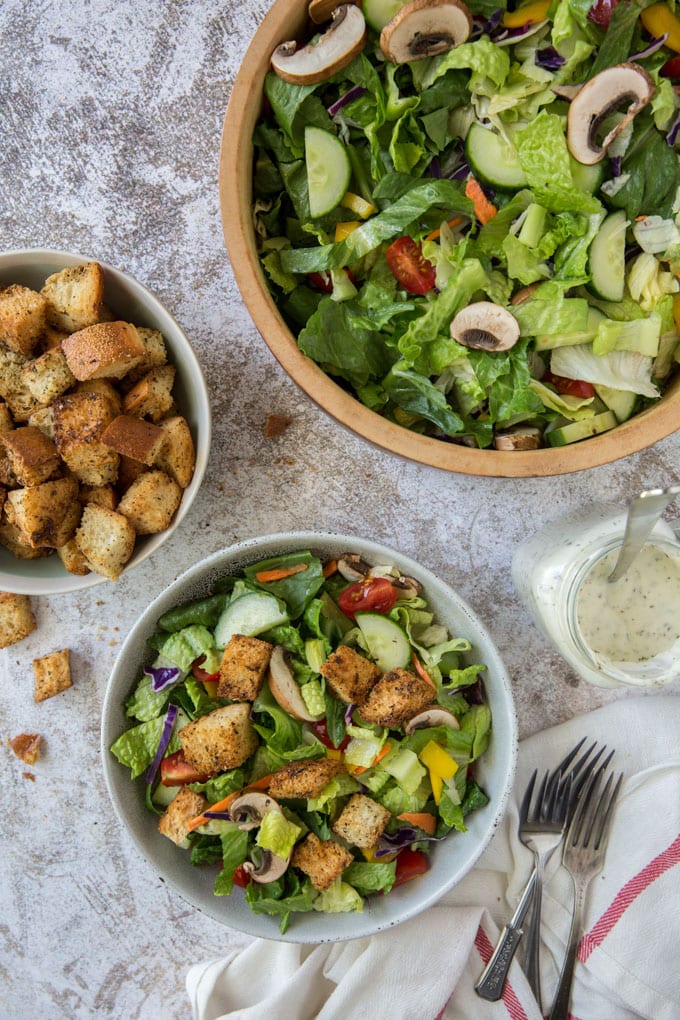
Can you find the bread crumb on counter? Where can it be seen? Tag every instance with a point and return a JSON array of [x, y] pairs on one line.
[[26, 746], [276, 424]]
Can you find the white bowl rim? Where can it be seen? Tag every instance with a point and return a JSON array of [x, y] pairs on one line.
[[350, 926]]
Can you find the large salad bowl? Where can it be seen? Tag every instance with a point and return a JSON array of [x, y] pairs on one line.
[[288, 20]]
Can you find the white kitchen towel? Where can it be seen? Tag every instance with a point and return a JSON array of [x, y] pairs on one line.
[[426, 969]]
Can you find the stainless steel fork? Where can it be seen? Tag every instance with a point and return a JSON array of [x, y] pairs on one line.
[[583, 856]]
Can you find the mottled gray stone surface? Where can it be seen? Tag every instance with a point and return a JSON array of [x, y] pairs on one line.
[[110, 121]]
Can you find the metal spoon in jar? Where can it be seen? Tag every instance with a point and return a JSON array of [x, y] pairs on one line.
[[643, 513]]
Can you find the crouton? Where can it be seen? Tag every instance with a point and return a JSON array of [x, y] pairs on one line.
[[323, 861], [47, 377], [72, 558], [45, 513], [74, 296], [244, 664], [177, 456], [106, 390], [151, 397], [52, 337], [79, 422], [43, 418], [151, 502], [155, 352], [11, 364], [23, 317], [92, 463], [6, 423], [361, 822], [305, 778], [397, 697], [221, 740], [16, 618], [106, 350], [350, 675], [32, 455], [16, 542], [26, 746], [128, 470], [106, 539], [135, 438], [52, 674], [174, 822], [102, 495]]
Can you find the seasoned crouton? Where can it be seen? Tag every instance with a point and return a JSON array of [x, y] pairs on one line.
[[102, 495], [350, 675], [106, 539], [362, 821], [221, 740], [106, 350], [135, 438], [47, 377], [92, 463], [26, 746], [177, 456], [244, 664], [155, 352], [128, 471], [323, 861], [52, 337], [151, 397], [174, 822], [397, 697], [23, 317], [32, 455], [52, 674], [151, 502], [45, 513], [305, 778], [79, 422], [106, 390], [72, 558], [16, 542], [6, 422], [74, 296], [16, 618], [11, 364], [43, 418]]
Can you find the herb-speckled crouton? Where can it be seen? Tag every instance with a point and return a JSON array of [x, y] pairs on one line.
[[72, 558], [244, 664], [362, 821], [174, 821], [221, 740], [304, 779], [177, 456], [397, 697], [16, 542], [52, 674], [46, 514], [74, 296], [47, 377], [323, 861], [151, 397], [16, 618], [134, 437], [79, 421], [107, 350], [151, 502], [106, 539], [32, 455], [23, 318], [350, 676]]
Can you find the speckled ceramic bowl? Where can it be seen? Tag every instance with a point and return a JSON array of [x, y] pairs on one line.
[[287, 19], [451, 859], [133, 302]]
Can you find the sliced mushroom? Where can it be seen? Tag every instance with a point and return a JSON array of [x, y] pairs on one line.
[[285, 688], [526, 438], [424, 28], [269, 869], [250, 808], [626, 86], [567, 91], [432, 717], [335, 49], [321, 10], [486, 327], [352, 567]]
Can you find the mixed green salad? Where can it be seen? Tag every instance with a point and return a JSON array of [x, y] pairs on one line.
[[309, 730], [529, 172]]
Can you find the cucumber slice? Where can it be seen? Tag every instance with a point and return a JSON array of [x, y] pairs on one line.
[[493, 160], [250, 615], [387, 643], [621, 402], [607, 258], [584, 429], [378, 12], [328, 170], [587, 178]]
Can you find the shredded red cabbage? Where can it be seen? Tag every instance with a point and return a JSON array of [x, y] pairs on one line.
[[222, 816], [673, 131], [166, 733], [548, 58], [616, 163], [162, 676], [348, 714], [389, 844], [435, 168], [651, 48], [349, 97]]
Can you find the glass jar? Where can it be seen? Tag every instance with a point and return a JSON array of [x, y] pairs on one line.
[[608, 633]]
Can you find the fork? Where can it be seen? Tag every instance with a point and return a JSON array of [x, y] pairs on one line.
[[583, 856]]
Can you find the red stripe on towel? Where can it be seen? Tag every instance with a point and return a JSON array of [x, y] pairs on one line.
[[627, 895], [509, 998]]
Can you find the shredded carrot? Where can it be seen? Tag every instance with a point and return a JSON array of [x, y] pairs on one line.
[[330, 568], [382, 753], [639, 219], [420, 670], [278, 574], [422, 819], [224, 805], [484, 209], [456, 221]]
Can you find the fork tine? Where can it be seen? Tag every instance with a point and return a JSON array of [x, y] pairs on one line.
[[588, 771], [582, 805], [606, 815], [526, 799], [540, 807]]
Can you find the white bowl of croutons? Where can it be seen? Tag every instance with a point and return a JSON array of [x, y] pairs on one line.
[[196, 755], [104, 422]]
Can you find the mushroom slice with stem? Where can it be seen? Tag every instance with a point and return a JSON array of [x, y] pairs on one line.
[[486, 327], [432, 717], [270, 867], [524, 438], [321, 59], [352, 567], [285, 687], [624, 86], [321, 10], [424, 28], [250, 808]]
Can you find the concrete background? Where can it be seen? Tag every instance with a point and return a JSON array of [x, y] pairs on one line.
[[110, 121]]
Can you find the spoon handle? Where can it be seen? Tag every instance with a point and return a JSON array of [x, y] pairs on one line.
[[643, 513]]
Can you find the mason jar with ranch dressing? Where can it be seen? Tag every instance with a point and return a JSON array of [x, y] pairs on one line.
[[626, 632]]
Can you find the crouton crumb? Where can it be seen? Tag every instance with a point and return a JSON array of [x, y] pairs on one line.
[[26, 746]]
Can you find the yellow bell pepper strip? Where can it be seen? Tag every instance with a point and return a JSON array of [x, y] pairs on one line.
[[334, 753], [358, 205], [343, 230], [440, 765], [659, 20], [529, 13]]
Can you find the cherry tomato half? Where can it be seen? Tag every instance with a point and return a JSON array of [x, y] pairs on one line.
[[372, 595], [241, 877], [201, 674], [324, 281], [410, 864], [570, 387], [413, 272], [321, 733], [176, 771], [671, 69]]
